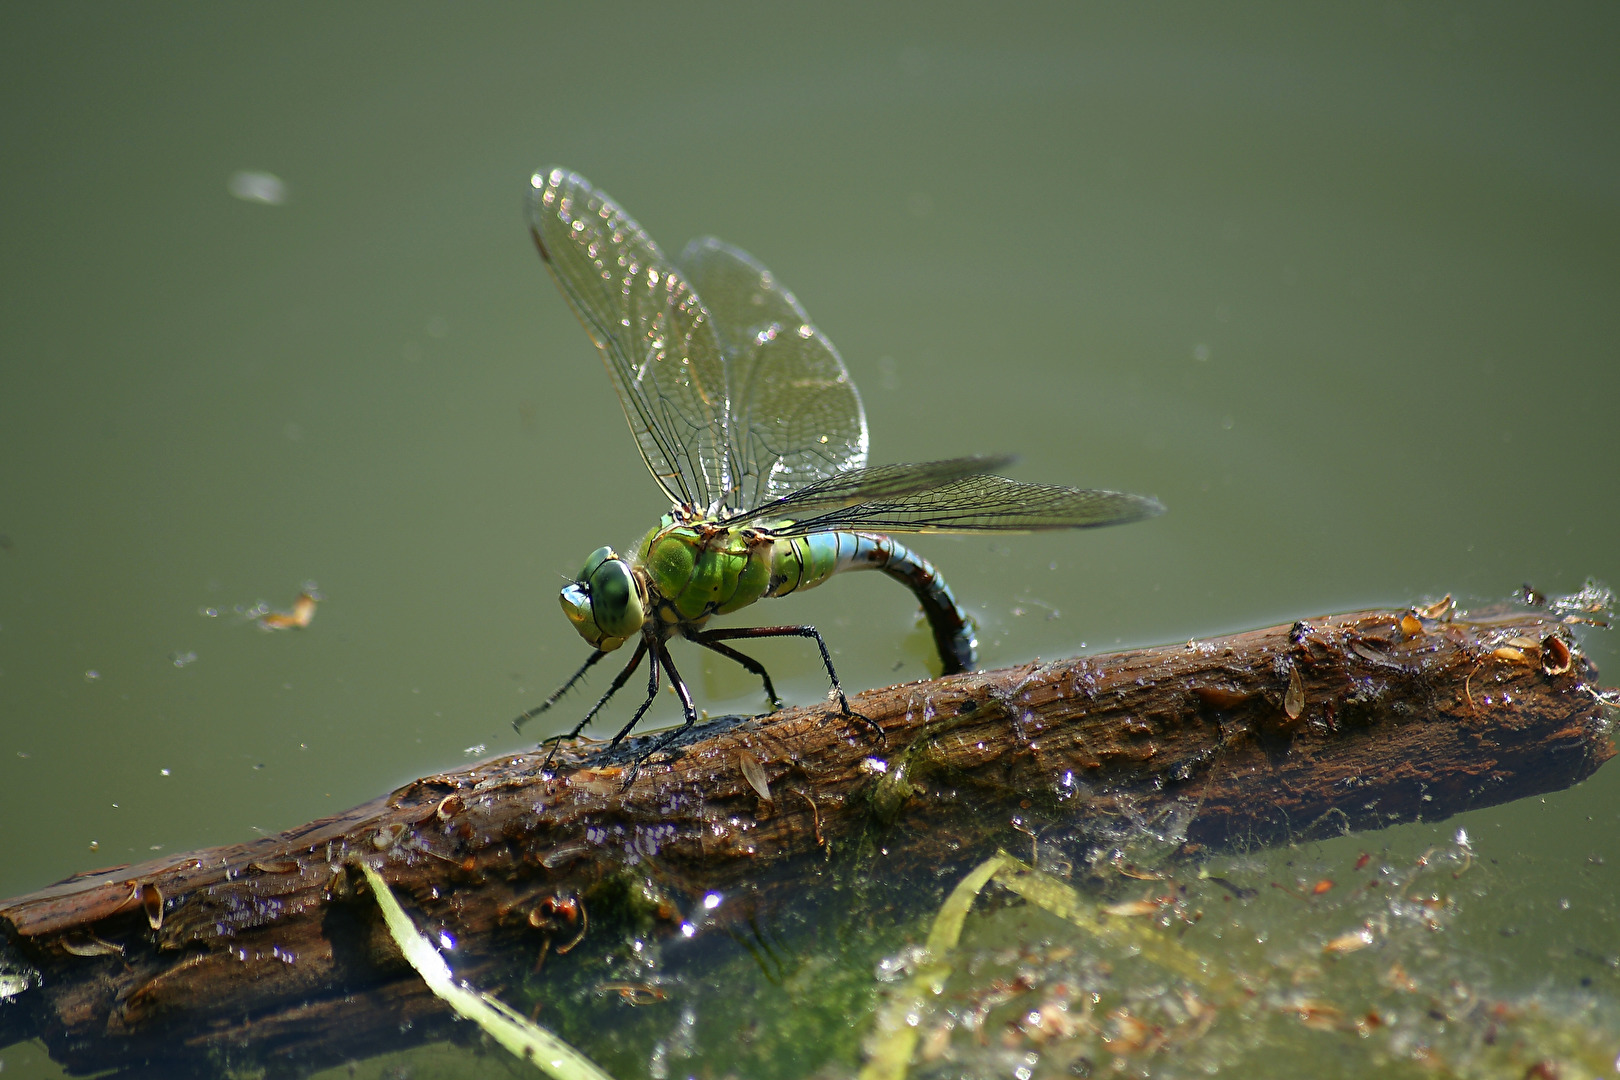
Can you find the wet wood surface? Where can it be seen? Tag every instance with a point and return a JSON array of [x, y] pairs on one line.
[[270, 956]]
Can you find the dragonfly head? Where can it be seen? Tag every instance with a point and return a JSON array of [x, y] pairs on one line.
[[604, 603]]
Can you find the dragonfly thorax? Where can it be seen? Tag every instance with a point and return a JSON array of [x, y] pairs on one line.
[[695, 569]]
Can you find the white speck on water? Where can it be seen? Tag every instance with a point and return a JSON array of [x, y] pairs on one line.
[[257, 187], [889, 373]]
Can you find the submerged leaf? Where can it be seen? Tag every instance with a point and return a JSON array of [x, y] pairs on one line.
[[895, 1036], [527, 1040]]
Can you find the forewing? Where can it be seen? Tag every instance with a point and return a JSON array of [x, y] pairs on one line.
[[985, 503], [874, 483], [658, 343], [795, 415]]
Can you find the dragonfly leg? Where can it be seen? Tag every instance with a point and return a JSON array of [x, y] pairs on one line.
[[748, 662], [732, 633], [652, 692], [517, 725], [617, 684], [686, 707]]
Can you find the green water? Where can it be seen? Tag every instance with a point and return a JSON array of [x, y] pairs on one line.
[[1342, 288]]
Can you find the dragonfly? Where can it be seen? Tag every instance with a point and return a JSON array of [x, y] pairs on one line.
[[749, 422]]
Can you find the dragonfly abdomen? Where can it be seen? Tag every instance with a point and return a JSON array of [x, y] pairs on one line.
[[803, 562]]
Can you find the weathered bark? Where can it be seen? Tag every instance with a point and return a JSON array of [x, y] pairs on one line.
[[267, 955]]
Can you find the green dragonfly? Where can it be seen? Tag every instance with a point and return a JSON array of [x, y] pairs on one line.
[[744, 413]]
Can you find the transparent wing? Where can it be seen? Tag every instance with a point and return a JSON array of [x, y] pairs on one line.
[[984, 503], [795, 416], [875, 483], [657, 341]]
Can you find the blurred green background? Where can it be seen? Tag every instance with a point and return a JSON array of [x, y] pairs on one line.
[[1340, 285]]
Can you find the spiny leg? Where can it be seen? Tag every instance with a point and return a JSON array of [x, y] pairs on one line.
[[517, 725], [617, 684], [652, 691], [686, 707], [748, 662], [826, 659]]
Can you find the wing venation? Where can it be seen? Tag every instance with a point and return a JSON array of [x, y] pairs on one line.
[[984, 504]]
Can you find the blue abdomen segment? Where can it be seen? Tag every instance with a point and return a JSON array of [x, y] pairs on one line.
[[803, 562]]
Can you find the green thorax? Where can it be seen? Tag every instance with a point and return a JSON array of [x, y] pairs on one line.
[[695, 569]]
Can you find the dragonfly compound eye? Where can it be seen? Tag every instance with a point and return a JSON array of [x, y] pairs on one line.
[[603, 604], [598, 557], [614, 600]]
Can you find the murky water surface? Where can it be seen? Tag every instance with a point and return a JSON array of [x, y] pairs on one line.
[[1338, 287]]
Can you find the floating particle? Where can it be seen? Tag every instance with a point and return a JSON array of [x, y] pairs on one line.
[[257, 187], [1351, 942], [1437, 610], [302, 613]]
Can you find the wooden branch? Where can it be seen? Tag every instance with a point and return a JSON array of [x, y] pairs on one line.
[[267, 955]]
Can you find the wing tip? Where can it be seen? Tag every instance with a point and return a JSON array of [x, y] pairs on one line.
[[540, 182]]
